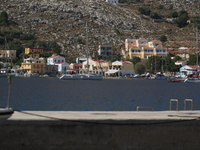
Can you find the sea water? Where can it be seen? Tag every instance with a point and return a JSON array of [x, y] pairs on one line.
[[52, 94]]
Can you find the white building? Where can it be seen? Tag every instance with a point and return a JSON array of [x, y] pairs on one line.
[[113, 1], [189, 69], [59, 61], [55, 59], [121, 68]]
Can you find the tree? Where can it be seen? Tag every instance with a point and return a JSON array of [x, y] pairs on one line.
[[174, 14], [135, 60], [4, 18], [140, 68], [155, 15], [154, 64], [182, 19], [163, 38], [193, 59], [144, 11]]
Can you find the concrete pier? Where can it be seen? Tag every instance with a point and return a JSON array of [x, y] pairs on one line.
[[92, 130]]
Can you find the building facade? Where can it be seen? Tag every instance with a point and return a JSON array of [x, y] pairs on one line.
[[121, 68], [58, 60], [7, 53], [143, 49], [96, 66], [105, 50], [189, 69], [34, 65], [113, 1], [34, 52]]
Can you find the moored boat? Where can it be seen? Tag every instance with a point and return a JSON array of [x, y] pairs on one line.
[[193, 78], [81, 77]]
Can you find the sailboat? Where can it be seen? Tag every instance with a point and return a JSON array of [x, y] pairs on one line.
[[6, 112], [87, 75]]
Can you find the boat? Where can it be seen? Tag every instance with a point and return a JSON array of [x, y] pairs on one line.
[[81, 77], [6, 112], [173, 79], [87, 75], [193, 78]]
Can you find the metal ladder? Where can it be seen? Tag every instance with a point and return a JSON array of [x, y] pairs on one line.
[[185, 104], [170, 105], [191, 104]]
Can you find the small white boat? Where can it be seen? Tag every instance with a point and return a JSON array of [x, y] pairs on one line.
[[81, 77]]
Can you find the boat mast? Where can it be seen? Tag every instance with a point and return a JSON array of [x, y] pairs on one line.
[[87, 51], [197, 47]]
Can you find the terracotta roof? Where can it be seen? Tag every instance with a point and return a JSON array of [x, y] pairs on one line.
[[153, 40], [99, 60], [60, 63], [134, 46], [160, 47], [53, 56], [126, 62], [193, 66]]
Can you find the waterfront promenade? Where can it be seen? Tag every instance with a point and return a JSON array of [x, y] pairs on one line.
[[113, 130]]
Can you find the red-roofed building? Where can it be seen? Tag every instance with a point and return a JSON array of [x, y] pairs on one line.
[[143, 49], [189, 69], [59, 61]]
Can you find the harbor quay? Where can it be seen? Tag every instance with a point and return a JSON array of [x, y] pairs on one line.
[[101, 130]]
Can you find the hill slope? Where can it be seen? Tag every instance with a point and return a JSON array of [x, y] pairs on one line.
[[65, 22]]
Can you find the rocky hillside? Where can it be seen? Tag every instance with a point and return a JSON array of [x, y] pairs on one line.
[[65, 22]]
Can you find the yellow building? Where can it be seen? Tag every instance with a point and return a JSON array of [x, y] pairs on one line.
[[34, 65], [7, 53], [143, 49], [34, 52]]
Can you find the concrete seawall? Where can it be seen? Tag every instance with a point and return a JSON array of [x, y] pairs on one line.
[[58, 130]]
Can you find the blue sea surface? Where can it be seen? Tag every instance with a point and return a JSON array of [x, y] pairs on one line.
[[52, 94]]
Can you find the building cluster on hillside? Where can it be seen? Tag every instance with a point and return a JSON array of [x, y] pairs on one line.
[[56, 64]]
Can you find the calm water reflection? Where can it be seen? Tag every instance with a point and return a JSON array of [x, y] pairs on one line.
[[107, 95]]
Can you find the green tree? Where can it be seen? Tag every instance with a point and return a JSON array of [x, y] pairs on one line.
[[163, 38], [135, 60], [154, 64], [144, 11], [155, 15], [182, 19], [140, 68], [4, 19], [193, 59], [174, 14]]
